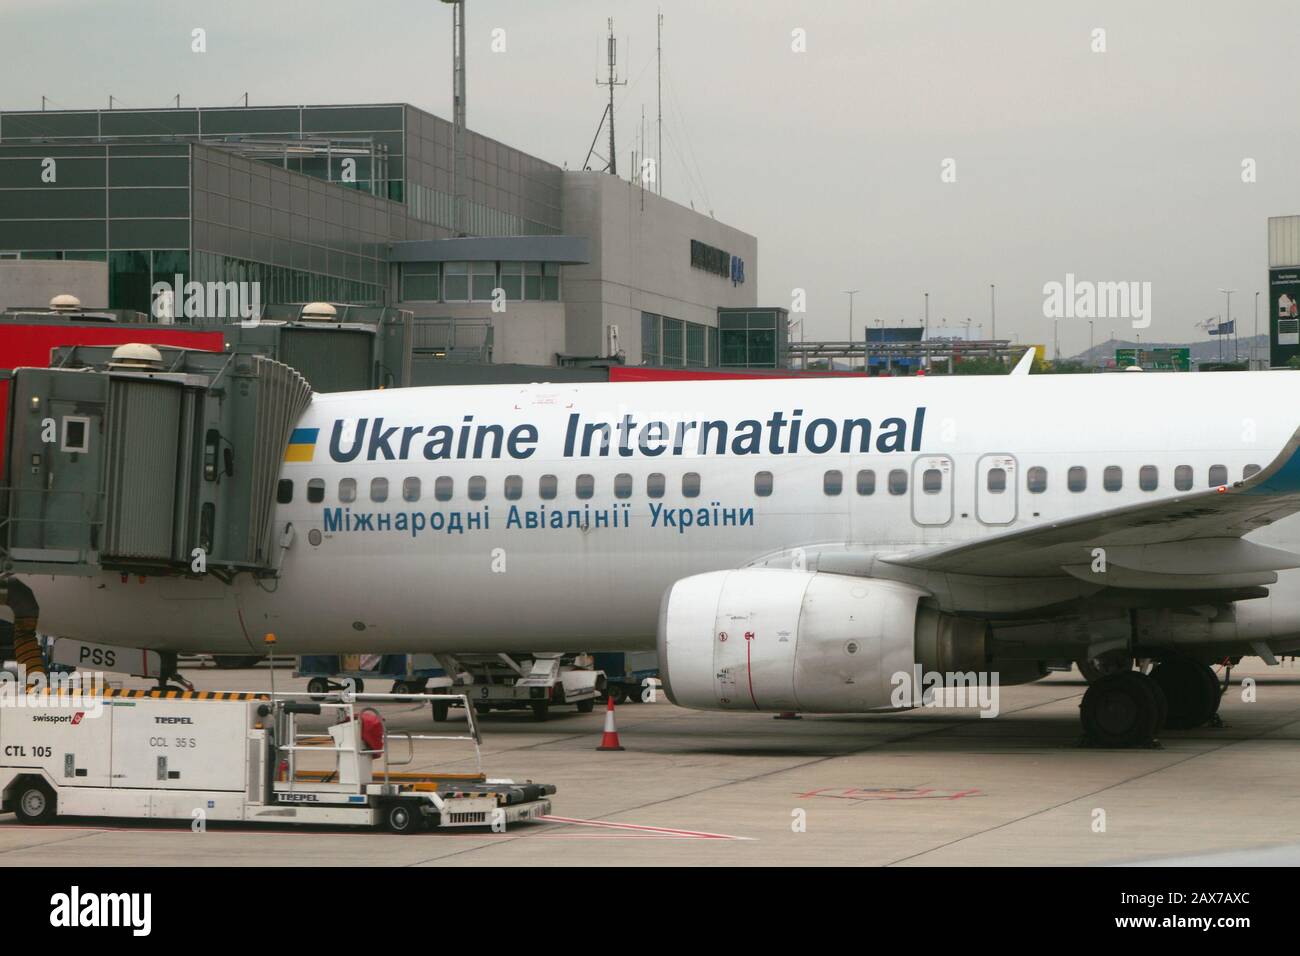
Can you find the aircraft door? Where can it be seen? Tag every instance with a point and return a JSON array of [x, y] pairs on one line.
[[932, 490], [997, 484]]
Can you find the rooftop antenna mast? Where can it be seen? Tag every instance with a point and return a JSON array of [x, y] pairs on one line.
[[458, 112], [611, 166]]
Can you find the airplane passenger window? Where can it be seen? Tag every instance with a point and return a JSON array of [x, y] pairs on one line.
[[1076, 479], [932, 481], [284, 491], [691, 484], [623, 485], [514, 487], [477, 488], [898, 482], [763, 483], [347, 490], [997, 480], [443, 486], [1250, 470], [547, 486], [411, 489], [1183, 478], [833, 482], [378, 489], [654, 485], [866, 482], [1037, 480], [585, 486], [316, 490], [1148, 477], [1218, 475], [1112, 479]]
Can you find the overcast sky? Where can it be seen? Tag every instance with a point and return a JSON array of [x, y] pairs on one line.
[[1123, 165]]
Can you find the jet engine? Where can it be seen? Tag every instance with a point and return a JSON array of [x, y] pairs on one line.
[[785, 640]]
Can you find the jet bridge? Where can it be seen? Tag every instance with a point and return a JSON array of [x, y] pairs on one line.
[[146, 460]]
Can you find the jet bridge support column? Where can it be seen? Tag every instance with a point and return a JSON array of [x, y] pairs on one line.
[[27, 652]]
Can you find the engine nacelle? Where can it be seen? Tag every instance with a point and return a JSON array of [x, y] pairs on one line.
[[784, 640]]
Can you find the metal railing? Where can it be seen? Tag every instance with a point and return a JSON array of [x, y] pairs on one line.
[[463, 340], [345, 704]]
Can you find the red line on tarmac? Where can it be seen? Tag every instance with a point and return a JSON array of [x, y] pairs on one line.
[[668, 831]]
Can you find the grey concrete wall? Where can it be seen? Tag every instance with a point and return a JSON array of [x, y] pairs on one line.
[[641, 261], [33, 282]]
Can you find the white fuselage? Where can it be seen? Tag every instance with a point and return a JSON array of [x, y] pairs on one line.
[[466, 574]]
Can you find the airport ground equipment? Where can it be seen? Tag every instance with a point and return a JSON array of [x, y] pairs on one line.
[[629, 675], [534, 682], [409, 673], [220, 756]]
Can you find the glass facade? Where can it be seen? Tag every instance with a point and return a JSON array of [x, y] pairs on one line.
[[257, 191], [669, 341], [475, 281], [752, 338]]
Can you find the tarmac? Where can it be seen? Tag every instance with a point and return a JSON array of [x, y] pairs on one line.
[[929, 787]]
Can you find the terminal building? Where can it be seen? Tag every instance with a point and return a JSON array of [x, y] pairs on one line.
[[516, 260]]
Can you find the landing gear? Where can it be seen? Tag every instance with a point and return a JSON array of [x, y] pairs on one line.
[[1112, 662], [1123, 710], [1193, 692]]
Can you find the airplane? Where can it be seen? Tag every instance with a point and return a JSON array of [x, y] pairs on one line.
[[785, 544]]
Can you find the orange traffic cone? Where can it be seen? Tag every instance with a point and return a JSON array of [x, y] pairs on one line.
[[609, 739]]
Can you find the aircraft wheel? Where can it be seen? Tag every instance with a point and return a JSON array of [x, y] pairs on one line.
[[586, 706], [541, 710], [1192, 690], [34, 802], [318, 687], [1121, 710]]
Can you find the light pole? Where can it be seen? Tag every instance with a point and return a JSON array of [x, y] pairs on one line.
[[925, 334], [851, 293], [1228, 321], [993, 311], [1256, 335]]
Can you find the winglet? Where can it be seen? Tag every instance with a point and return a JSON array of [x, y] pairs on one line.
[[1026, 360]]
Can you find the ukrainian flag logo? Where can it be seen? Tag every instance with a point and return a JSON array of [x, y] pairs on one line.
[[302, 444]]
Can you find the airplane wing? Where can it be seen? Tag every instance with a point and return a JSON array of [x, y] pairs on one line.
[[1189, 541]]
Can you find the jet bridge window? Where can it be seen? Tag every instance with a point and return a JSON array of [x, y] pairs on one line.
[[1183, 478], [1112, 479], [316, 490], [654, 485], [443, 486], [76, 434], [514, 487], [547, 486], [763, 483], [1148, 477], [347, 490], [1076, 479], [284, 491], [1036, 480], [477, 487], [898, 482], [623, 485], [1249, 471], [996, 480], [584, 486], [866, 482], [411, 489], [833, 482], [1218, 475], [378, 489], [691, 484]]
